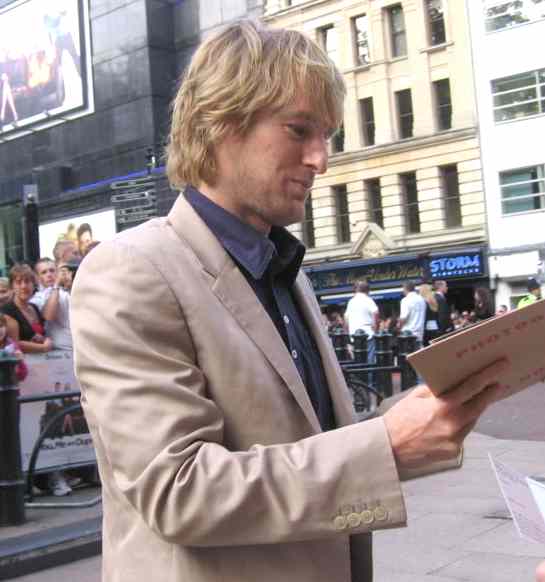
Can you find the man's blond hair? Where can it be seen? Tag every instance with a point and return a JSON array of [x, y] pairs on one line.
[[242, 71]]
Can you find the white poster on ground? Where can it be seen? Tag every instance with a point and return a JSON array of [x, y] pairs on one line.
[[69, 442], [525, 498]]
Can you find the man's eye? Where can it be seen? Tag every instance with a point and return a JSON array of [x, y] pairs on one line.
[[299, 131]]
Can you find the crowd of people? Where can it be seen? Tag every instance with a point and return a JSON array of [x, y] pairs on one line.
[[424, 312], [35, 319]]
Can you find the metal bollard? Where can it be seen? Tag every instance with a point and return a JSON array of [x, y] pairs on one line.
[[407, 345], [12, 485], [360, 346], [384, 357], [340, 342]]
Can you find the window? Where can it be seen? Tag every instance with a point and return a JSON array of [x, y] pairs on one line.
[[451, 193], [337, 140], [398, 34], [410, 193], [308, 225], [519, 96], [342, 217], [500, 15], [436, 22], [330, 42], [360, 26], [368, 121], [523, 190], [405, 113], [374, 201], [443, 104]]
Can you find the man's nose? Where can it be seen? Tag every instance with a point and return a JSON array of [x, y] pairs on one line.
[[316, 155]]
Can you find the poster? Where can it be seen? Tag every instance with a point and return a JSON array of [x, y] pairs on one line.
[[71, 238], [70, 442], [42, 61]]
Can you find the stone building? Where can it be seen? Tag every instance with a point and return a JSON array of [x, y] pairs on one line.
[[404, 177]]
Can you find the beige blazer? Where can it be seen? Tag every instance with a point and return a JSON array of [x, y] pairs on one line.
[[213, 463]]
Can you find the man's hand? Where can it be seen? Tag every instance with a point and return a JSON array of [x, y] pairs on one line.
[[424, 428]]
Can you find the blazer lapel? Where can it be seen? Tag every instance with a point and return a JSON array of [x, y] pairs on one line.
[[340, 397], [232, 289]]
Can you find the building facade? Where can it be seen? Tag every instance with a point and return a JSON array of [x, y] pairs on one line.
[[84, 108], [405, 173], [510, 88]]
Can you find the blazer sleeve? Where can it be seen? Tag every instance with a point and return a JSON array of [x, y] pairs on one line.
[[161, 437]]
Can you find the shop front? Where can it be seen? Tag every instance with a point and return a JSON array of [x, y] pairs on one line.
[[510, 272], [463, 269]]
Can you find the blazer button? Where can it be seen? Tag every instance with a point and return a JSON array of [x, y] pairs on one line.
[[380, 513], [340, 522], [367, 516], [354, 520]]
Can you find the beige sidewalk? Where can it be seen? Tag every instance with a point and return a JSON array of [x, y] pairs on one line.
[[458, 522]]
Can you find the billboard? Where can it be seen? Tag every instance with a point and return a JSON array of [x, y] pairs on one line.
[[42, 62], [70, 238]]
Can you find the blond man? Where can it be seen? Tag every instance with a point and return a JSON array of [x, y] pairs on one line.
[[224, 430]]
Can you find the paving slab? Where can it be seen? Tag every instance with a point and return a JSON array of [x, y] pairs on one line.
[[52, 535], [459, 527]]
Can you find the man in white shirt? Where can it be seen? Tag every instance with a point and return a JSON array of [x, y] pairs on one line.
[[362, 313], [53, 301], [413, 312]]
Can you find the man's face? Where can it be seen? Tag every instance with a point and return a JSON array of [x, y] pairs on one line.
[[85, 240], [265, 175], [47, 273], [66, 277], [536, 292], [443, 289]]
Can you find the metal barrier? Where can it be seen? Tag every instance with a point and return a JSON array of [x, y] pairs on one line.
[[48, 431], [381, 372], [385, 359], [360, 346], [341, 341], [366, 398], [12, 481], [406, 344]]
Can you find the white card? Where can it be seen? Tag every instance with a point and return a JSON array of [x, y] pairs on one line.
[[525, 499]]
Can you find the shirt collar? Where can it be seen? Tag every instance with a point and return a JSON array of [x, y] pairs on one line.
[[251, 249]]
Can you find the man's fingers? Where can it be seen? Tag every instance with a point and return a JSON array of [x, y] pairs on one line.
[[476, 383]]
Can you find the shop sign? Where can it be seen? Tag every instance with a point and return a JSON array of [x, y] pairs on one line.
[[457, 266], [448, 266], [376, 273]]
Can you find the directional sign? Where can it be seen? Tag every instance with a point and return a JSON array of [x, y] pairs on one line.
[[130, 215], [134, 183]]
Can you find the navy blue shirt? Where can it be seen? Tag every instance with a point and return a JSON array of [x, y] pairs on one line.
[[270, 265]]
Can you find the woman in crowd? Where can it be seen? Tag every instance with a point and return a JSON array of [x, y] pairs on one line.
[[26, 327], [431, 325], [25, 322], [483, 304]]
